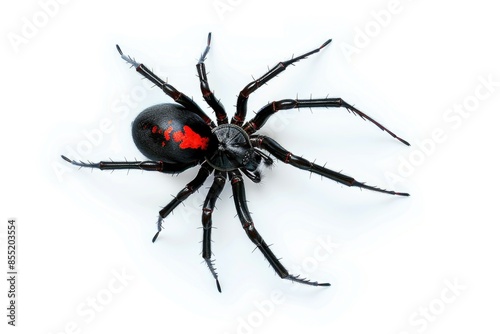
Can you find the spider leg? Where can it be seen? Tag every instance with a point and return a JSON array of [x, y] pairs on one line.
[[208, 95], [241, 105], [248, 225], [263, 114], [282, 154], [158, 166], [170, 90], [208, 208], [190, 188]]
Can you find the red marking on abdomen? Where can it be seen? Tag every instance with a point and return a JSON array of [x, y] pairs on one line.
[[166, 133], [190, 139]]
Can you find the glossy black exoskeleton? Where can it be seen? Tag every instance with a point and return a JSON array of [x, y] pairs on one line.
[[170, 133]]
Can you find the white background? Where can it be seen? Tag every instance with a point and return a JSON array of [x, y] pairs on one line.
[[390, 260]]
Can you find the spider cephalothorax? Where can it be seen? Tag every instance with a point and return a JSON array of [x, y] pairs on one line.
[[177, 136]]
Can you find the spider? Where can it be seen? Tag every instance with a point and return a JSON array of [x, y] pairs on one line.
[[178, 136]]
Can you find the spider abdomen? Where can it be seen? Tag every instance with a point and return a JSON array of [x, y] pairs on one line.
[[171, 133]]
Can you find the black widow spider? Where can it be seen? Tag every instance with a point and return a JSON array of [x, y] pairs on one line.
[[179, 136]]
